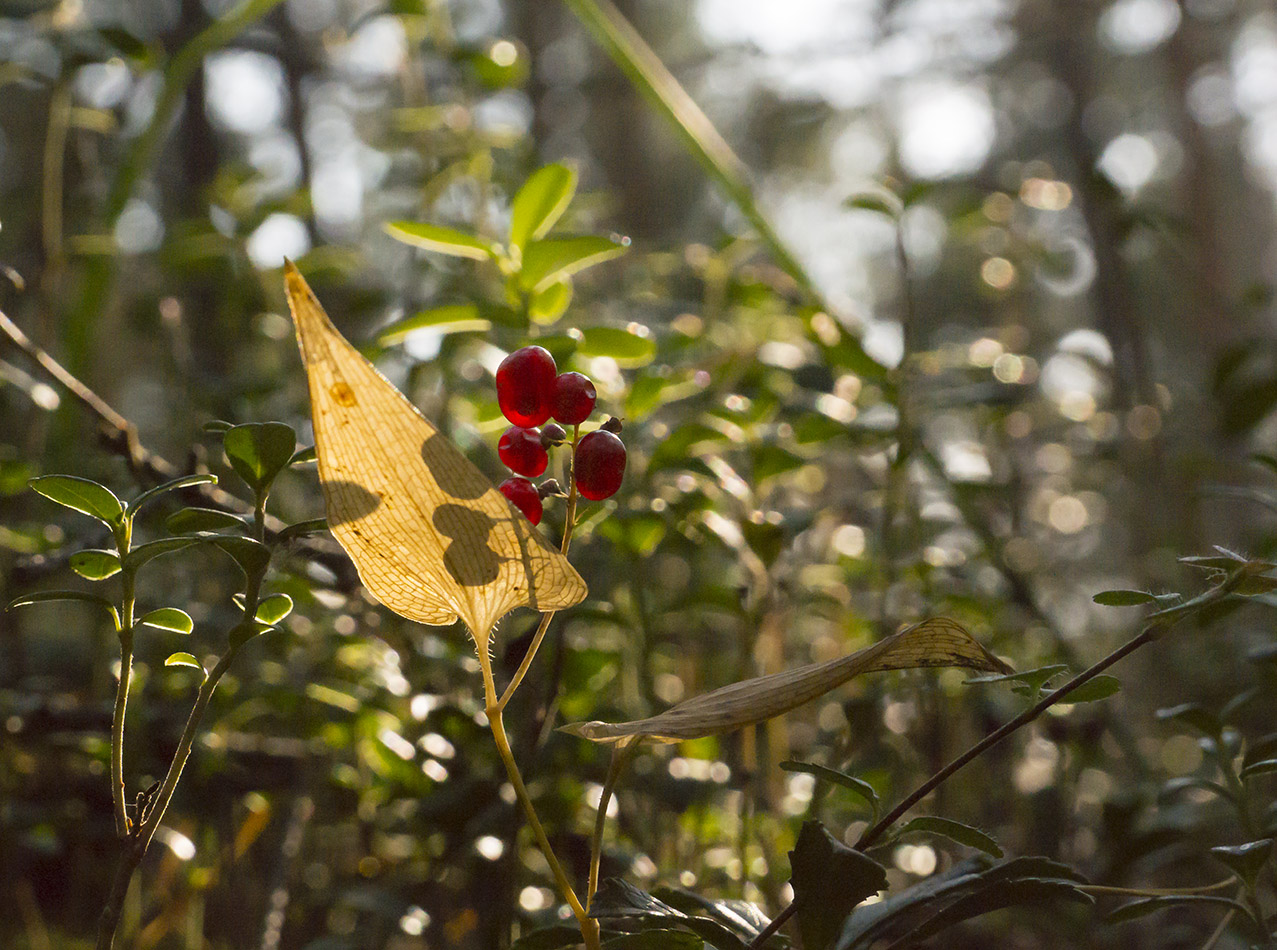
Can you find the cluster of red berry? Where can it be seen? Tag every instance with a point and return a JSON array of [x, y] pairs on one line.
[[530, 390]]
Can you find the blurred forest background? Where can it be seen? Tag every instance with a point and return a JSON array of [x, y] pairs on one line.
[[1065, 340]]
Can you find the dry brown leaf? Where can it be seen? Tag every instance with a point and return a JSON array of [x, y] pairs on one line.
[[935, 642], [432, 537]]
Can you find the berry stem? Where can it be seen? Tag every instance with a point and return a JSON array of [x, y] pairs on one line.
[[544, 625]]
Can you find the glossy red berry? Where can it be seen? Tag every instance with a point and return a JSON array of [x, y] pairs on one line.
[[599, 465], [522, 452], [524, 496], [574, 398], [525, 385]]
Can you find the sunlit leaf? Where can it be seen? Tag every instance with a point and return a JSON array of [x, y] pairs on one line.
[[879, 200], [258, 451], [313, 526], [547, 305], [1095, 689], [444, 240], [432, 537], [49, 596], [169, 618], [540, 203], [628, 349], [931, 643], [552, 259], [80, 494], [94, 564], [184, 659], [953, 830], [303, 456], [184, 482], [451, 318], [857, 785], [274, 608]]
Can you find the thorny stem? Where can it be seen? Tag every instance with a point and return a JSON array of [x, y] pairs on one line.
[[589, 927], [544, 625]]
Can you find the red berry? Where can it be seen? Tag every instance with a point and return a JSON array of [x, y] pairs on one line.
[[599, 465], [522, 452], [523, 495], [574, 397], [525, 385]]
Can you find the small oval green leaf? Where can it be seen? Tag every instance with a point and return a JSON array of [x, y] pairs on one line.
[[169, 618], [540, 203], [274, 608], [1093, 690], [82, 495], [184, 659], [95, 565], [451, 318], [552, 259], [1124, 598], [313, 526], [48, 596], [258, 451], [954, 831], [192, 520], [857, 785], [442, 240], [185, 481], [153, 549], [546, 306], [628, 349], [251, 556]]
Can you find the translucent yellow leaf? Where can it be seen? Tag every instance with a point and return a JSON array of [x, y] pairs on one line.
[[432, 538], [935, 642]]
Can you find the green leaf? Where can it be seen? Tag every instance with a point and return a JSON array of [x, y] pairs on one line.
[[1093, 690], [1262, 767], [444, 240], [954, 831], [313, 526], [1191, 714], [1124, 598], [304, 456], [546, 306], [170, 619], [1035, 678], [654, 940], [95, 565], [48, 596], [81, 494], [185, 481], [1150, 905], [251, 556], [628, 349], [617, 898], [258, 451], [184, 659], [552, 259], [451, 318], [880, 200], [274, 608], [1246, 860], [540, 203], [217, 426], [829, 879], [856, 785], [153, 549], [193, 520]]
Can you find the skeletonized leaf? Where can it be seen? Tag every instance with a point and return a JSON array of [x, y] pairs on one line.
[[938, 641], [433, 538]]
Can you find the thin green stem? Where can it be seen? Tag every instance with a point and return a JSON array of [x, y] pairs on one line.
[[589, 927], [622, 752], [544, 625], [128, 597]]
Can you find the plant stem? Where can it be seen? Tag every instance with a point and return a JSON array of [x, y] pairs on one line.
[[140, 838], [544, 625], [622, 752], [128, 595], [589, 927], [771, 929], [1156, 626]]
